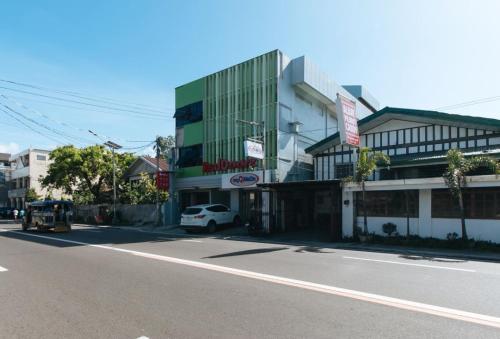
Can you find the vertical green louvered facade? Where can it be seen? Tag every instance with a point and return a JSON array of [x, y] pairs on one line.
[[247, 91]]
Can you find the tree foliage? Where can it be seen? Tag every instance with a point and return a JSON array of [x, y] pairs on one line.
[[165, 144], [367, 163], [85, 173], [31, 195], [455, 176], [142, 191]]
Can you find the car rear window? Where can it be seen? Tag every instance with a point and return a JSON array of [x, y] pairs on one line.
[[192, 210]]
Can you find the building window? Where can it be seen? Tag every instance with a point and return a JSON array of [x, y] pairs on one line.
[[388, 203], [189, 114], [41, 157], [343, 171], [479, 203], [190, 156]]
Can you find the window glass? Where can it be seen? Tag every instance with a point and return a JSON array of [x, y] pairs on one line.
[[388, 203], [189, 114], [479, 203], [190, 156], [192, 210], [41, 157], [343, 171]]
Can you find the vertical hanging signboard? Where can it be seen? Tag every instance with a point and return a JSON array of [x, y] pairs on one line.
[[347, 120]]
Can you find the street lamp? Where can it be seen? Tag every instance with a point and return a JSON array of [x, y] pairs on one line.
[[113, 146]]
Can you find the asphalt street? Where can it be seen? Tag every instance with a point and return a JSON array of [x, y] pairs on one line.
[[115, 283]]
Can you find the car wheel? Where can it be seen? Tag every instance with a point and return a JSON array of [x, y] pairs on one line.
[[212, 226], [237, 221]]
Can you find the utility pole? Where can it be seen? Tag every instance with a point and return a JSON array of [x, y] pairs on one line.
[[158, 210]]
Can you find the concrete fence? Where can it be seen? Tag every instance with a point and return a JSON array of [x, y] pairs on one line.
[[127, 214]]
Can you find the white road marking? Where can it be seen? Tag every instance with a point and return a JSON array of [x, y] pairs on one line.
[[410, 264], [3, 269], [445, 312], [142, 337], [191, 240]]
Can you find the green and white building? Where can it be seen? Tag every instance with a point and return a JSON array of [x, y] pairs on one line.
[[292, 98]]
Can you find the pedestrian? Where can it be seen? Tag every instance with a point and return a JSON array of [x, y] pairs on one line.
[[15, 212]]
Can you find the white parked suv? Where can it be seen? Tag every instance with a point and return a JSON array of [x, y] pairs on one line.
[[208, 217]]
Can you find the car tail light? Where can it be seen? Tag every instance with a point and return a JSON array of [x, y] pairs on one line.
[[200, 216]]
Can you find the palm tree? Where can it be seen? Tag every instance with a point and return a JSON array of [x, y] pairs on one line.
[[455, 176], [368, 161]]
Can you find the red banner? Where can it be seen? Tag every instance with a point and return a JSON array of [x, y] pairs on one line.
[[162, 181], [348, 122]]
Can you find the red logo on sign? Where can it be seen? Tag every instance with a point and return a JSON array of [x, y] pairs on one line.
[[224, 165]]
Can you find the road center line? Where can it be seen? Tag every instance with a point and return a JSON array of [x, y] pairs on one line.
[[191, 240], [410, 264], [338, 291], [3, 269]]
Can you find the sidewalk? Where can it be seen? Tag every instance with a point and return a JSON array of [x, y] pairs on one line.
[[240, 234]]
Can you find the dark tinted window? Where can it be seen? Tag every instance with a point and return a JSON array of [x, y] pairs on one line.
[[190, 156], [192, 211], [388, 203], [188, 114], [479, 203]]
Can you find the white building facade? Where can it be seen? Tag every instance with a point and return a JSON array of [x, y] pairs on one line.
[[417, 142], [28, 167]]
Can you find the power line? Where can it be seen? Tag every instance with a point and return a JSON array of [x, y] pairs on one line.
[[43, 116], [470, 103], [86, 109], [87, 97], [28, 126], [150, 115], [61, 134]]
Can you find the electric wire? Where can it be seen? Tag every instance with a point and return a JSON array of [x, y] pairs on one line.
[[64, 135], [138, 113], [45, 117], [469, 103], [30, 127], [88, 97]]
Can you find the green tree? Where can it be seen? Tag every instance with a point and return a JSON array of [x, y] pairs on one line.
[[165, 144], [31, 195], [142, 191], [85, 172], [455, 176], [367, 163]]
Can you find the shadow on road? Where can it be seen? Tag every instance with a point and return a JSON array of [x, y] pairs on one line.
[[312, 249], [427, 258], [254, 251]]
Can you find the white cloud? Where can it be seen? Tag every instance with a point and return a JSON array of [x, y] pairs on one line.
[[11, 147]]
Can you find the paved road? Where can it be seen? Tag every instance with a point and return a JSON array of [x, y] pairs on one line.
[[111, 283]]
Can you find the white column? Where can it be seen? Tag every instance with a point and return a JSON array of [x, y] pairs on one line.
[[347, 213], [425, 213], [235, 200]]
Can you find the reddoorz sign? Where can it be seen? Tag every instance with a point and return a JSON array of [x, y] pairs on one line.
[[224, 165]]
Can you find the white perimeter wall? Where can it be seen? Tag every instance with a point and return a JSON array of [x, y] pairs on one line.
[[423, 226]]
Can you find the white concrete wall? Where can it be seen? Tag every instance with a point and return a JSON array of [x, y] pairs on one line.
[[424, 226], [488, 230], [317, 122], [375, 225]]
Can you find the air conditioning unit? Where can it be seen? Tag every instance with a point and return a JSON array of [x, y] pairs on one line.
[[294, 126]]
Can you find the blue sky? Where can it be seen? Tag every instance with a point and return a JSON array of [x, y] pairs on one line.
[[415, 54]]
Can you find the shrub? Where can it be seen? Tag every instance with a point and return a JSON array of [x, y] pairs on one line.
[[389, 228]]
